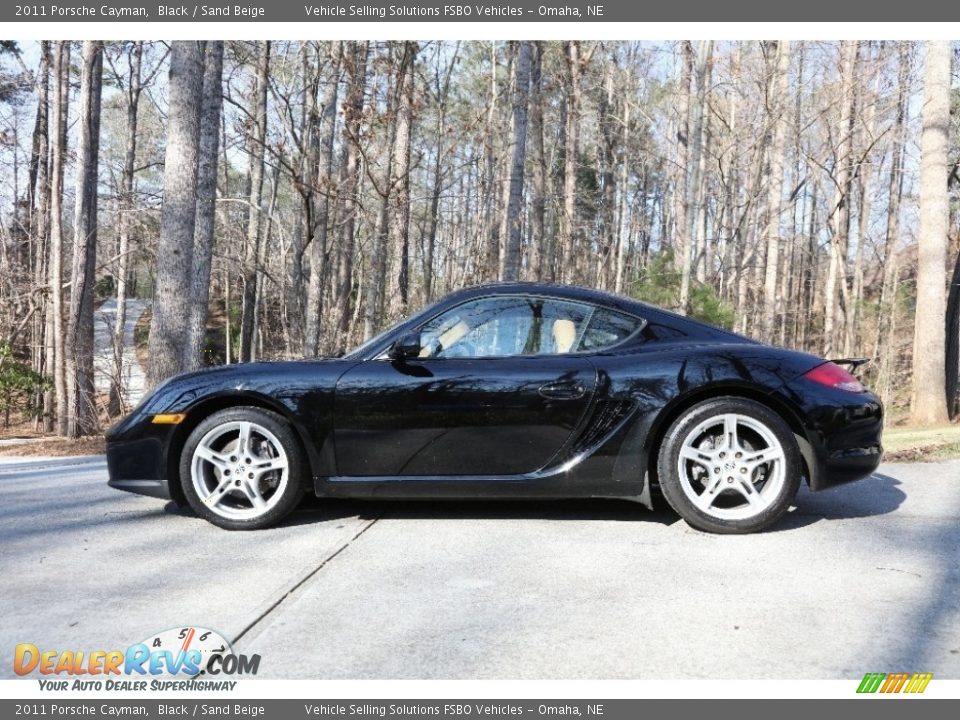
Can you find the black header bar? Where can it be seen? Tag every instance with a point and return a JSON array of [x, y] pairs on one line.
[[414, 11]]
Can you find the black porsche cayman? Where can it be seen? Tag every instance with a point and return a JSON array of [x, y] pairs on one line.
[[510, 391]]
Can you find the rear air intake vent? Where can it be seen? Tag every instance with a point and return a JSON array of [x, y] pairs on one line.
[[606, 417]]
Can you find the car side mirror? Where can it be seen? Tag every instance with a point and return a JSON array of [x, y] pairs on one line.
[[408, 346]]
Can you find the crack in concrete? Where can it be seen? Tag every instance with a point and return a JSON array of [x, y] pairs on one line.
[[300, 583]]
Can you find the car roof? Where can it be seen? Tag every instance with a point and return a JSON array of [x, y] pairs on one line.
[[568, 292]]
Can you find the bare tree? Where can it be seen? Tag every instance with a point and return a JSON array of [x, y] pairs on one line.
[[692, 182], [357, 181], [58, 151], [399, 281], [81, 408], [512, 231], [178, 214], [320, 211], [840, 210], [44, 359], [251, 254], [127, 205], [205, 222], [539, 240], [887, 307], [777, 102], [569, 224], [356, 68], [929, 405]]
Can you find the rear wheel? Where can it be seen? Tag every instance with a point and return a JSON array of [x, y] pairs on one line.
[[242, 469], [729, 465]]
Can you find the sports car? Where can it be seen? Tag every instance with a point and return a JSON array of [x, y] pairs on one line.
[[510, 390]]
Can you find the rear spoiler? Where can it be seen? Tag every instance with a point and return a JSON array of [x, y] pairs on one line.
[[853, 363]]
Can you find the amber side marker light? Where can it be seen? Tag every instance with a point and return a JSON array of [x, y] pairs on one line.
[[169, 418]]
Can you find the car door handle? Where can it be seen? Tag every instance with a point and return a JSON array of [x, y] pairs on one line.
[[562, 391]]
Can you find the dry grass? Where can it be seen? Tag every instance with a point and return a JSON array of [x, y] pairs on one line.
[[54, 447], [910, 444]]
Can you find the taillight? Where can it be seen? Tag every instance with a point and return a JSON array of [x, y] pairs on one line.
[[832, 375]]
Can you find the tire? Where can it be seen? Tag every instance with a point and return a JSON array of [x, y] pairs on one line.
[[243, 490], [723, 487]]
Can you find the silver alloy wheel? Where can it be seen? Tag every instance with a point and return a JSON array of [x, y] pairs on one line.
[[732, 466], [239, 470]]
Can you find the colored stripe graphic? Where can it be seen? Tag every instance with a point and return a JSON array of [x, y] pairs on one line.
[[871, 682], [894, 683], [918, 683]]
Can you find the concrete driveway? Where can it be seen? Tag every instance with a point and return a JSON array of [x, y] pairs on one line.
[[861, 578]]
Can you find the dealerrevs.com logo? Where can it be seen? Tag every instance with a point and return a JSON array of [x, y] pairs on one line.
[[175, 659]]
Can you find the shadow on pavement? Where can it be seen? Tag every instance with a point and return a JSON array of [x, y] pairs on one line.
[[316, 510], [878, 494]]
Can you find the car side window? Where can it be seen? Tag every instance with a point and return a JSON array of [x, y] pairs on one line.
[[513, 325], [505, 326], [606, 329]]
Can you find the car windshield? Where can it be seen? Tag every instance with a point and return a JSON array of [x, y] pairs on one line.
[[367, 345], [363, 347]]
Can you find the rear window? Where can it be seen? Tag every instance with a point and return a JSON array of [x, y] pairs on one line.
[[607, 328]]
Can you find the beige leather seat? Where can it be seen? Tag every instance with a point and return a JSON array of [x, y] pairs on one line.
[[448, 338], [564, 335]]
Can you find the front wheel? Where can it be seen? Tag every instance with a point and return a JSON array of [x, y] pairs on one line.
[[729, 465], [242, 469]]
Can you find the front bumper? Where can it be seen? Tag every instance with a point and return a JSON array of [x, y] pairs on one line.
[[151, 488], [137, 460]]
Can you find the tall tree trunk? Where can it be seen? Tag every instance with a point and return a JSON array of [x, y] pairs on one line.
[[324, 179], [171, 302], [928, 405], [895, 195], [399, 238], [294, 295], [952, 363], [513, 229], [692, 183], [127, 206], [851, 340], [251, 269], [44, 356], [840, 210], [376, 277], [569, 221], [491, 226], [61, 72], [81, 406], [206, 211], [731, 242], [607, 122], [684, 104], [539, 240], [622, 210], [356, 68], [780, 84], [438, 174]]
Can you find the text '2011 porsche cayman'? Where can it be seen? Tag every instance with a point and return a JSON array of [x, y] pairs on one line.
[[510, 391]]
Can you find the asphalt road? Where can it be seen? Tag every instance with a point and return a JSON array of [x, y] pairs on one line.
[[861, 578]]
